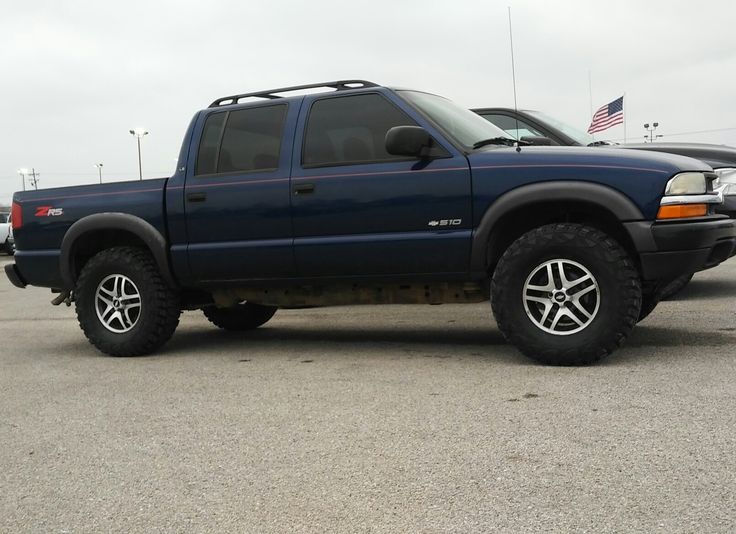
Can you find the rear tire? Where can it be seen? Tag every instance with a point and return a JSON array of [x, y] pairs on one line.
[[124, 306], [239, 318], [9, 247], [554, 325]]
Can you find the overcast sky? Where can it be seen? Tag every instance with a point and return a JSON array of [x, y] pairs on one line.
[[77, 75]]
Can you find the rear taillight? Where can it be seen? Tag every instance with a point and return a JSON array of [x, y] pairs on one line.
[[16, 213]]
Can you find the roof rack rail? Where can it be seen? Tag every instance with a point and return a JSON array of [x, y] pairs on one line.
[[339, 85]]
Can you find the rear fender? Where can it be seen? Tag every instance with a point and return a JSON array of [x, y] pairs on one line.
[[152, 238]]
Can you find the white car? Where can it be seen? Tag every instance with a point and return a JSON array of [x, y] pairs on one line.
[[6, 234]]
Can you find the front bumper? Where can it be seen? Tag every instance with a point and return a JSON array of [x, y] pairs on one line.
[[671, 249]]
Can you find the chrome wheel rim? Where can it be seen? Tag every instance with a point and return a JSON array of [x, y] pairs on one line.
[[118, 303], [561, 297]]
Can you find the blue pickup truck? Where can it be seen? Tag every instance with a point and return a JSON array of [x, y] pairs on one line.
[[364, 194]]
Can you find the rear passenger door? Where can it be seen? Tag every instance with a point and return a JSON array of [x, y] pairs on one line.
[[237, 194], [359, 211]]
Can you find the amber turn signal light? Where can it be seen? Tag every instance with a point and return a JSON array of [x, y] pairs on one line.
[[682, 211]]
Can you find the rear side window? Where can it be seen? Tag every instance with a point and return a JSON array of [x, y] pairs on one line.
[[350, 129], [250, 141], [207, 156]]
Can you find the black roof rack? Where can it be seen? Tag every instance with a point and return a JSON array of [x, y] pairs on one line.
[[340, 85]]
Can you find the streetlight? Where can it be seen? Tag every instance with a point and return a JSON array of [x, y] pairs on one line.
[[98, 166], [138, 133], [651, 131], [23, 173]]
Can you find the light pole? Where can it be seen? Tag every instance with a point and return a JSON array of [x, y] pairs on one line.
[[98, 166], [138, 133], [651, 131], [34, 178], [23, 173]]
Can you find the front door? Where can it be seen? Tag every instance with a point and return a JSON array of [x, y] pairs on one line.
[[359, 211]]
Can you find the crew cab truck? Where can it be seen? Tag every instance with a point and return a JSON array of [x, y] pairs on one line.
[[364, 194]]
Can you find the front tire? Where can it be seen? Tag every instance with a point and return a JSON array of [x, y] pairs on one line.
[[239, 318], [566, 294], [124, 306]]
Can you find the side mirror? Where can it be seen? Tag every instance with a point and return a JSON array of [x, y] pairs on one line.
[[409, 141], [537, 140]]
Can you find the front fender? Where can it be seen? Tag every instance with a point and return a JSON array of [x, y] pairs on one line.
[[559, 191]]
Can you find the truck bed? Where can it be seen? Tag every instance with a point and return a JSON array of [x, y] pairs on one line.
[[48, 214]]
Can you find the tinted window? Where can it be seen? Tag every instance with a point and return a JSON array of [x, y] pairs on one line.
[[351, 129], [207, 156], [509, 125], [251, 140]]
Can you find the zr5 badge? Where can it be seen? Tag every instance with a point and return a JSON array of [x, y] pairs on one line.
[[48, 211]]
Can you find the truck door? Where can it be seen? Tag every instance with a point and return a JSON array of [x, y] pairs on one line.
[[237, 194], [358, 210]]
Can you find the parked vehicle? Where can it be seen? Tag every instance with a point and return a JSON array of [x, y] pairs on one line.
[[727, 182], [10, 241], [540, 128], [537, 127], [373, 195], [5, 233]]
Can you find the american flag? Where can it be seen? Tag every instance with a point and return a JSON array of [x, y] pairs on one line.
[[607, 116]]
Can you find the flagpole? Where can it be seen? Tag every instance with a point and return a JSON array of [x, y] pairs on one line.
[[590, 92], [624, 106]]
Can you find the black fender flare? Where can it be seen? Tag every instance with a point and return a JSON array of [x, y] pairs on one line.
[[562, 191], [144, 230]]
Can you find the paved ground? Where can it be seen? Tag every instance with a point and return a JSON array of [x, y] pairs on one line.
[[369, 419]]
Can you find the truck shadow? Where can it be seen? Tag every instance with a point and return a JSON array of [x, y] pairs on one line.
[[652, 336], [201, 338], [431, 342], [705, 289]]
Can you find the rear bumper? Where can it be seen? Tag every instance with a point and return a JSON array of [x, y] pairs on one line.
[[671, 249], [11, 271], [37, 268]]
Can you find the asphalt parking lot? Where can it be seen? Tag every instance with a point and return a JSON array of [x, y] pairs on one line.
[[369, 419]]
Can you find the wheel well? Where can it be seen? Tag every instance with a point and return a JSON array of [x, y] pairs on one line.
[[521, 220], [93, 242]]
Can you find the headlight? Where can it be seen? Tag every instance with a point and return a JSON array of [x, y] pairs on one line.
[[687, 195], [687, 183]]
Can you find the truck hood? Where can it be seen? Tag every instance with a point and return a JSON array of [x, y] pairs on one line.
[[659, 163], [714, 155]]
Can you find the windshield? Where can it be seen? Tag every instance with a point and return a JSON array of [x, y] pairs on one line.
[[461, 124], [579, 137]]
